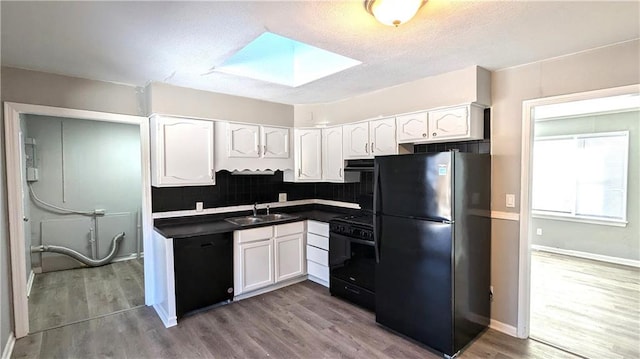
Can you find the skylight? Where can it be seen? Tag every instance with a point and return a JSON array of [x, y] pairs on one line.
[[277, 59]]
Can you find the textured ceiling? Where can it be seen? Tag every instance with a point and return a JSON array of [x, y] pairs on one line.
[[179, 42]]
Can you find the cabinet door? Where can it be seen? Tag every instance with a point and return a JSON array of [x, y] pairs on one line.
[[412, 127], [244, 140], [182, 152], [382, 134], [275, 142], [449, 123], [356, 141], [289, 255], [256, 265], [308, 154], [332, 161]]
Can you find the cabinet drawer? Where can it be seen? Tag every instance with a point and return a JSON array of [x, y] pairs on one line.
[[319, 228], [318, 271], [318, 241], [255, 234], [318, 255], [289, 228]]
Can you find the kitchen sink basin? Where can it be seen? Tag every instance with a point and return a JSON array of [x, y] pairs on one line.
[[261, 218]]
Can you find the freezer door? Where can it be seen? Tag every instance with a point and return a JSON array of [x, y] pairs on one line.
[[418, 185], [414, 280]]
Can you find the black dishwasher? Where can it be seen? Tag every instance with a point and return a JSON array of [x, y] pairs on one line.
[[203, 267]]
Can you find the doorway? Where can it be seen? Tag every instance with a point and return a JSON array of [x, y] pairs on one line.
[[29, 197], [81, 192], [580, 228]]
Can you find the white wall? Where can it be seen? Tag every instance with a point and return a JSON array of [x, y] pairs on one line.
[[471, 84], [181, 101], [101, 171], [620, 242], [606, 67]]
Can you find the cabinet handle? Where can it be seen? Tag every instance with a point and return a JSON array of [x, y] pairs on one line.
[[299, 172], [264, 150], [213, 174], [365, 147], [424, 135], [258, 149], [434, 134], [340, 172], [371, 147]]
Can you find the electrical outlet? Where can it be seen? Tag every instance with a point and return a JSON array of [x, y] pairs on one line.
[[510, 200], [539, 231], [282, 197], [199, 206]]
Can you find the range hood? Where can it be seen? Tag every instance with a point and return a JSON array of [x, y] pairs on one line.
[[364, 165]]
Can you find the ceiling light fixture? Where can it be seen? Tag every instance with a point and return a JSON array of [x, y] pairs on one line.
[[393, 12]]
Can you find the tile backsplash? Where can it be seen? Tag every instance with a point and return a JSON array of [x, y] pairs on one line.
[[231, 190]]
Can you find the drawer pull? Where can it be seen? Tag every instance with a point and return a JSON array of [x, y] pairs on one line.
[[351, 290]]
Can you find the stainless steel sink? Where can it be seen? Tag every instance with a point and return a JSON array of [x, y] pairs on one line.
[[261, 218], [244, 221], [275, 217]]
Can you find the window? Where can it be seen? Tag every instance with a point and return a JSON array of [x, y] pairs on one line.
[[581, 176]]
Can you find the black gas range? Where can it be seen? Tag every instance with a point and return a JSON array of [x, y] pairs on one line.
[[352, 258]]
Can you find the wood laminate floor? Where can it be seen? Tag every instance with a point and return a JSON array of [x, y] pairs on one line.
[[588, 307], [299, 321], [72, 295]]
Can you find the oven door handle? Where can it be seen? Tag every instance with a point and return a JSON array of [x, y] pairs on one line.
[[352, 240]]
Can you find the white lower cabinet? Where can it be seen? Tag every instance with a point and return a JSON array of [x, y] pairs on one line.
[[268, 255], [289, 256], [318, 252]]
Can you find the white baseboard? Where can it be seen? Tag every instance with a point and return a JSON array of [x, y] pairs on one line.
[[270, 288], [166, 320], [586, 255], [32, 275], [503, 328], [318, 280], [8, 348]]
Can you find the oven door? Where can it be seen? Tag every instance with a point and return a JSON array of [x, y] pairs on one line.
[[352, 261]]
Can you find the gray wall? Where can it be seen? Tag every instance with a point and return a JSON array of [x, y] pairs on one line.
[[605, 67], [33, 87], [102, 170], [621, 242]]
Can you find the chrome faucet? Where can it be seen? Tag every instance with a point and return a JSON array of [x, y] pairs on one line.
[[255, 209]]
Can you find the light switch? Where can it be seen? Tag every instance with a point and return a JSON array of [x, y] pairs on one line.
[[511, 200], [539, 231], [199, 207], [282, 197]]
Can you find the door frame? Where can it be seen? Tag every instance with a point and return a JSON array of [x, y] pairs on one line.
[[12, 112], [524, 263]]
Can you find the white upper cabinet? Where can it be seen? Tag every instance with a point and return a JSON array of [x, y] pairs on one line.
[[332, 161], [368, 139], [412, 127], [245, 146], [308, 154], [275, 142], [182, 152], [244, 140], [356, 141], [382, 135], [456, 123]]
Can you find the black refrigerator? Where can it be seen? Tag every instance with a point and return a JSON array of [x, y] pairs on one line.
[[433, 241]]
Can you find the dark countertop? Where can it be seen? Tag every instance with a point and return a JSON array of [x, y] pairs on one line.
[[183, 227]]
